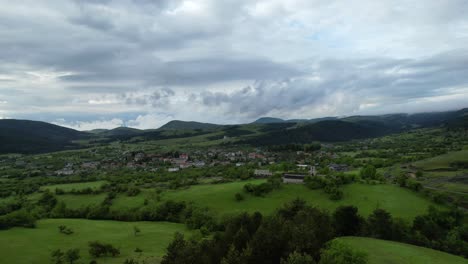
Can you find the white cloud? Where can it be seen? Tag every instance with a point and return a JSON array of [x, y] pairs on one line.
[[90, 125], [149, 121]]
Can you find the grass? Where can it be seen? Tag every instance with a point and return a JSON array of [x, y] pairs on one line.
[[398, 201], [220, 198], [123, 201], [30, 246], [77, 186], [389, 252], [442, 161], [76, 201]]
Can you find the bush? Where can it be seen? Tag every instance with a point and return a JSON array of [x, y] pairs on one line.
[[239, 197], [20, 218], [99, 249], [340, 253]]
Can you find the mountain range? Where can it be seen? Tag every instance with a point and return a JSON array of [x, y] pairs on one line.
[[25, 136]]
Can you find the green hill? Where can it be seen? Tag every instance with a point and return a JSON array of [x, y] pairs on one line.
[[24, 136], [327, 131], [187, 125], [122, 131], [268, 120], [34, 246], [389, 252]]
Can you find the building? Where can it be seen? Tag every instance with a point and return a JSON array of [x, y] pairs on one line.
[[313, 170], [262, 173], [173, 169], [293, 178], [338, 167]]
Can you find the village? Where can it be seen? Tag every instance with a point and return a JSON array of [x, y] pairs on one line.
[[260, 163]]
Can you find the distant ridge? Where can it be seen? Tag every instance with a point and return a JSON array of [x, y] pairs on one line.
[[25, 136], [268, 120], [273, 120], [187, 125]]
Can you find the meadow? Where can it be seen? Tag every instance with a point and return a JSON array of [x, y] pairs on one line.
[[220, 198], [442, 162], [67, 187], [31, 246], [389, 252]]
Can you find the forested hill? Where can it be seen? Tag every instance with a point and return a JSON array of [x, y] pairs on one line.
[[327, 131], [24, 136], [187, 125]]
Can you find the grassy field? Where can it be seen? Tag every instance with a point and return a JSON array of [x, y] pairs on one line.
[[220, 198], [442, 161], [30, 246], [77, 186], [389, 252], [400, 202], [76, 201]]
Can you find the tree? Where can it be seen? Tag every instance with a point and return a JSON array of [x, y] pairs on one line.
[[174, 249], [340, 253], [368, 172], [98, 249], [136, 230], [239, 197], [379, 224], [347, 221], [57, 256], [72, 255], [298, 258], [47, 200]]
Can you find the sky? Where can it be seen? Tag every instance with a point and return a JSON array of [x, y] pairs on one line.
[[90, 64]]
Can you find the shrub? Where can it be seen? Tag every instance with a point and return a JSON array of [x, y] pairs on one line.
[[98, 249], [239, 197]]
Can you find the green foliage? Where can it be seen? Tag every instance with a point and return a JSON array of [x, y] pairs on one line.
[[298, 258], [379, 224], [98, 249], [136, 230], [21, 218], [368, 172], [347, 221], [384, 251], [72, 255], [65, 230], [340, 253], [69, 256], [239, 197]]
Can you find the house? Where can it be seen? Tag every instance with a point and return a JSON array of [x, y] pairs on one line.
[[185, 165], [262, 173], [90, 165], [313, 170], [140, 156], [293, 178], [199, 164], [65, 171], [338, 167]]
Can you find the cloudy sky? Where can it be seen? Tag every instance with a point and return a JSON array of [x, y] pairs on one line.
[[101, 63]]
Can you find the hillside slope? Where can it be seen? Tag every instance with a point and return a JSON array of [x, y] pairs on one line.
[[187, 125], [327, 131], [24, 136], [389, 252]]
